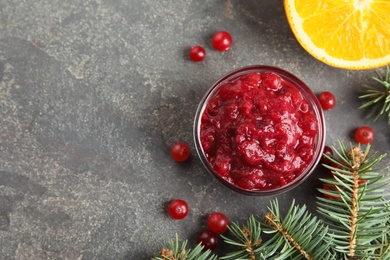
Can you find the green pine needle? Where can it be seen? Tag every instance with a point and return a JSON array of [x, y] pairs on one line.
[[180, 252], [355, 205], [299, 235], [247, 239], [378, 97]]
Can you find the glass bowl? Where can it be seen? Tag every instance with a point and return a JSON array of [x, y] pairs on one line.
[[259, 130]]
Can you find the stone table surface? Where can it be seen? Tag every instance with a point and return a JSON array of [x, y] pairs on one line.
[[94, 92]]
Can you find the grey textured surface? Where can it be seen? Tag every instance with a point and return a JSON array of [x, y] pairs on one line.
[[92, 95]]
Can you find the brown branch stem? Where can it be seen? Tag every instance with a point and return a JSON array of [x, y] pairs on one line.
[[167, 254], [270, 220], [249, 246], [356, 155], [354, 214]]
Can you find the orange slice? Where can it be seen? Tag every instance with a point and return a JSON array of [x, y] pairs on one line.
[[349, 34]]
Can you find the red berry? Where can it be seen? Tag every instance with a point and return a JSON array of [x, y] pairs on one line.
[[197, 53], [208, 239], [362, 182], [180, 152], [327, 100], [330, 187], [364, 135], [217, 222], [334, 165], [178, 209], [222, 41], [329, 152]]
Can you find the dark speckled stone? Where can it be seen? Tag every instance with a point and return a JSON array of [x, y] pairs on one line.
[[92, 95]]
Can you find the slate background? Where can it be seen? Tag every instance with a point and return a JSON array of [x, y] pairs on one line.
[[94, 92]]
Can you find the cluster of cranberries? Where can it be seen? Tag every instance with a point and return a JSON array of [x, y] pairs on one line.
[[178, 209], [217, 223], [221, 41]]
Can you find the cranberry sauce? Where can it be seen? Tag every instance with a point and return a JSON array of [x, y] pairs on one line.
[[258, 132]]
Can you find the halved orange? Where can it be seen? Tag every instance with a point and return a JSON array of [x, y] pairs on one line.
[[350, 34]]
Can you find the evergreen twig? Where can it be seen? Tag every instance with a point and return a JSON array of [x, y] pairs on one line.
[[299, 235], [247, 239], [355, 208], [175, 251], [378, 97]]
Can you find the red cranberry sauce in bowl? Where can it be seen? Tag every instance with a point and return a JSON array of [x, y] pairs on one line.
[[259, 130]]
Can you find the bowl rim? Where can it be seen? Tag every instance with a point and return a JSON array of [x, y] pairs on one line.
[[310, 96]]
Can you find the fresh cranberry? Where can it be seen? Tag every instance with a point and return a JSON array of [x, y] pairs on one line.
[[208, 239], [217, 222], [334, 165], [362, 182], [178, 209], [327, 100], [197, 53], [364, 135], [180, 152], [222, 41], [327, 152], [330, 187]]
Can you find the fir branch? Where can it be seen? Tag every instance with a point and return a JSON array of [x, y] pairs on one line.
[[383, 251], [306, 236], [378, 97], [180, 252], [247, 239], [356, 209]]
